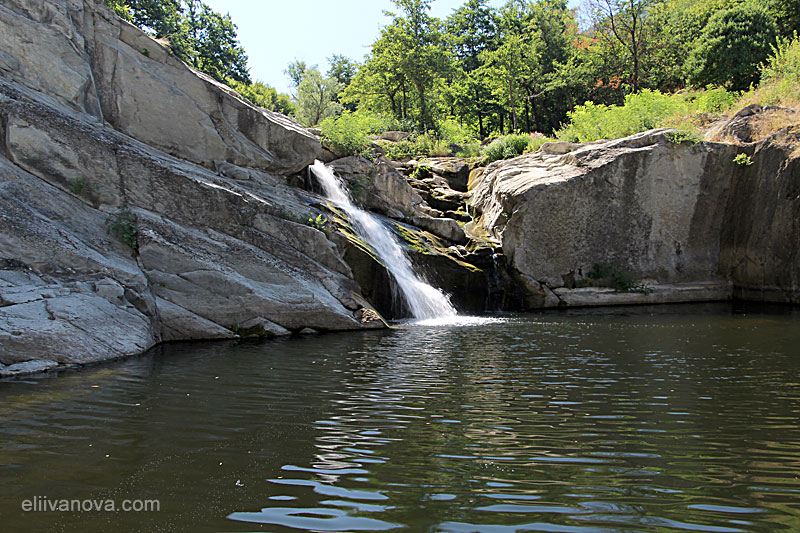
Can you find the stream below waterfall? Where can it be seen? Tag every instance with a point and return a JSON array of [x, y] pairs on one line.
[[630, 419]]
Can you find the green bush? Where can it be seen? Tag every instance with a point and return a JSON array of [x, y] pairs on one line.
[[608, 276], [416, 146], [262, 95], [537, 142], [452, 132], [780, 77], [350, 132], [730, 48], [507, 147], [682, 136], [123, 225], [641, 112], [743, 160]]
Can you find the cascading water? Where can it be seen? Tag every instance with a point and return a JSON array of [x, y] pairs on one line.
[[424, 301]]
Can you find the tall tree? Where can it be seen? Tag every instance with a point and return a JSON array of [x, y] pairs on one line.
[[624, 21], [315, 99], [425, 60], [296, 70], [158, 17], [472, 30]]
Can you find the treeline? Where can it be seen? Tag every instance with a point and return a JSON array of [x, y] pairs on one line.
[[523, 66], [519, 68]]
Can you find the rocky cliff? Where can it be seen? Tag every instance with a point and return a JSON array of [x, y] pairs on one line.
[[143, 202], [649, 219]]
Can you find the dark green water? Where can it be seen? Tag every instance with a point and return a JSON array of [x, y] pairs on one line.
[[660, 419]]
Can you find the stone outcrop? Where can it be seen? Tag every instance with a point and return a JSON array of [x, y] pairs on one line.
[[79, 55], [142, 202], [377, 186], [683, 220]]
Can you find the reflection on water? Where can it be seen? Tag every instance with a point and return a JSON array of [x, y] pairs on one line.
[[676, 418]]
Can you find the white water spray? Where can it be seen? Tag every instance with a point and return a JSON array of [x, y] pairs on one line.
[[424, 301]]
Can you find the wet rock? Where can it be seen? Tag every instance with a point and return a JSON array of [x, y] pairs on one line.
[[446, 228], [261, 327], [27, 367], [377, 185]]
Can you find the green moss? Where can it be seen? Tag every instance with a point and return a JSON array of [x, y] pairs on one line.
[[607, 276]]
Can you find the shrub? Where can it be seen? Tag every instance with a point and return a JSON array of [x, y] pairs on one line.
[[319, 222], [452, 132], [350, 132], [620, 281], [682, 136], [642, 111], [743, 160], [123, 225], [537, 142], [470, 150], [416, 146], [780, 77], [507, 147], [81, 185]]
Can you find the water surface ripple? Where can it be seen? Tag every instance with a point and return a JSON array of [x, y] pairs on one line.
[[668, 419]]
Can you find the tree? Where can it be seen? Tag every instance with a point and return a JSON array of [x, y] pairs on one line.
[[262, 95], [787, 15], [731, 47], [472, 30], [425, 60], [121, 8], [342, 69], [624, 21], [315, 98], [160, 18], [296, 70]]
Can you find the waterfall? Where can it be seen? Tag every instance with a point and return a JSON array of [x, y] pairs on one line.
[[424, 301]]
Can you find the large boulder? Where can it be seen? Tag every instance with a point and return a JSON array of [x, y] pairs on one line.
[[643, 206], [653, 220], [87, 60]]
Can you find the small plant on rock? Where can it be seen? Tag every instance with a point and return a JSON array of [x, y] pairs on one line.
[[123, 225], [682, 136], [620, 281], [319, 222], [743, 160], [82, 185]]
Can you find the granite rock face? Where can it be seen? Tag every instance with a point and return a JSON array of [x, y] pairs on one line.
[[141, 202], [79, 55], [683, 216]]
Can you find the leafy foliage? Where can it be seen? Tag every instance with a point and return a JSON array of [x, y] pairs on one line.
[[350, 132], [743, 160], [780, 76], [523, 67], [316, 98], [642, 111], [123, 225], [262, 95], [507, 147], [608, 276], [734, 42]]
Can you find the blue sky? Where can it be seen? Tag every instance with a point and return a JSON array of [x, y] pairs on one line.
[[275, 32]]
